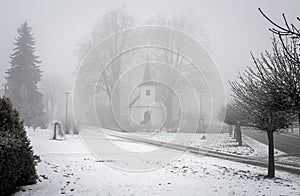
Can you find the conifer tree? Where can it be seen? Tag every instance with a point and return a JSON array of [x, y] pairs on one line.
[[23, 77], [17, 162]]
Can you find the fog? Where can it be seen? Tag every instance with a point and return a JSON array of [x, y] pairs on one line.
[[233, 27]]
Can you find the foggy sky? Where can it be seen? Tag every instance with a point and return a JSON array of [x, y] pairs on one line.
[[234, 27]]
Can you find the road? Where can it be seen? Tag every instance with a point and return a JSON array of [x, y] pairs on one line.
[[283, 142]]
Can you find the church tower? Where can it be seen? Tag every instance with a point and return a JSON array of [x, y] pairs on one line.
[[147, 89], [144, 109]]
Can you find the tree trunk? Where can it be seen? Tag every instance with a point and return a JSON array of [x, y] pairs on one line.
[[113, 122], [234, 132], [169, 108], [52, 111], [117, 102], [47, 108], [241, 136], [238, 134], [271, 165], [299, 121], [230, 130], [115, 106], [54, 134], [115, 90]]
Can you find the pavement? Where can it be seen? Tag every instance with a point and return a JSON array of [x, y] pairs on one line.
[[287, 143]]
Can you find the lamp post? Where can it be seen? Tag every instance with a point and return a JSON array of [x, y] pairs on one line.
[[47, 107], [66, 119], [5, 89]]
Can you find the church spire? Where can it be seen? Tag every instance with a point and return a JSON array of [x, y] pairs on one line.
[[147, 74]]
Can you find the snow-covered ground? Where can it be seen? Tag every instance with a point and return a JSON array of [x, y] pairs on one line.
[[226, 144], [215, 142], [68, 168]]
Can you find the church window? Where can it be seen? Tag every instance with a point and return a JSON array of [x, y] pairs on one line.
[[147, 92]]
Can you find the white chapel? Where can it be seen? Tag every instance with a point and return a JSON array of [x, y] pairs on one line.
[[145, 109]]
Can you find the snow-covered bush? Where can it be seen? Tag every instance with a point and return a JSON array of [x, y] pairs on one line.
[[17, 165]]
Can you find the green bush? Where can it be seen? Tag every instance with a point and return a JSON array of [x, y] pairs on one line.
[[17, 165]]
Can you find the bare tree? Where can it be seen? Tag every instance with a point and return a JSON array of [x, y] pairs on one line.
[[53, 89], [232, 118], [112, 24], [261, 103], [289, 31], [287, 54], [172, 74]]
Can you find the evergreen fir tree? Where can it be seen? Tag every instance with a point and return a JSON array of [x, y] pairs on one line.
[[17, 162], [23, 77]]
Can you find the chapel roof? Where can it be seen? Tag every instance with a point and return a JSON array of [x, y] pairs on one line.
[[147, 74]]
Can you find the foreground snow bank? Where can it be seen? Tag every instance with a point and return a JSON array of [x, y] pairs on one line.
[[67, 168]]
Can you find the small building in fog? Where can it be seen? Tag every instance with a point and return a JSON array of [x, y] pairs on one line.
[[144, 108]]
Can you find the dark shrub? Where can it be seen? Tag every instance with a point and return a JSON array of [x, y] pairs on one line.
[[17, 165]]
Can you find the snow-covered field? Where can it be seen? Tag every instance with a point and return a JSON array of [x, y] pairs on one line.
[[217, 142], [68, 168]]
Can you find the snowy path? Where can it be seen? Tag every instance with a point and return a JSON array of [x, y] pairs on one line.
[[67, 168]]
